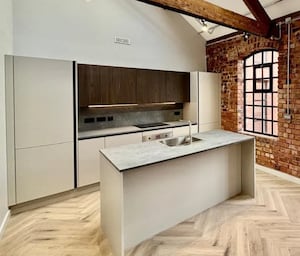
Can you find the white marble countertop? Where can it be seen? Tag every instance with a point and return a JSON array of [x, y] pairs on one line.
[[126, 129], [136, 155]]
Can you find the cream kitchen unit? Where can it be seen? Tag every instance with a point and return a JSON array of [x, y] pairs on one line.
[[123, 139], [40, 127], [205, 102], [88, 161], [181, 131], [88, 148], [88, 152]]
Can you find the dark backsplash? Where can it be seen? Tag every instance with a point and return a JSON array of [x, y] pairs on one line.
[[92, 119]]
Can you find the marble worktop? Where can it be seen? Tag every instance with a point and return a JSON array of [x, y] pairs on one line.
[[126, 130], [131, 156]]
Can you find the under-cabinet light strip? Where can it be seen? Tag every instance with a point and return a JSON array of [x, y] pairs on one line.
[[114, 105], [130, 105]]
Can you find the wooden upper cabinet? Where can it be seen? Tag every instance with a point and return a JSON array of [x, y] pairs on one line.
[[94, 84], [123, 86], [102, 92], [178, 86], [117, 85], [83, 88], [151, 86]]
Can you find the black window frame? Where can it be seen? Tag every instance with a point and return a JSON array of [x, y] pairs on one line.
[[265, 93]]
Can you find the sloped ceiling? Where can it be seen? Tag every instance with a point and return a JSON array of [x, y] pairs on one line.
[[274, 8]]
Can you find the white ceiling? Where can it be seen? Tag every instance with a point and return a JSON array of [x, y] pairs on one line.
[[274, 8]]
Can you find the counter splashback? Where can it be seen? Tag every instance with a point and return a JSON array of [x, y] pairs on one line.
[[91, 119]]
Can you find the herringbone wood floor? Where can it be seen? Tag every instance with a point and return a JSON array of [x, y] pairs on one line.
[[269, 226]]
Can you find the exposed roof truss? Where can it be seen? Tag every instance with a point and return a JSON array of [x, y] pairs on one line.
[[201, 9]]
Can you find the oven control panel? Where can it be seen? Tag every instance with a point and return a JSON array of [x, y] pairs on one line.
[[157, 136]]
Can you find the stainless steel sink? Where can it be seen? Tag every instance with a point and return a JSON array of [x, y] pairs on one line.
[[179, 141]]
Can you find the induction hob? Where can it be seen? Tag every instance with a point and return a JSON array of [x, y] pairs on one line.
[[149, 125]]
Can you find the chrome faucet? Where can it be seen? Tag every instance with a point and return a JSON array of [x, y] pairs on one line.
[[190, 132]]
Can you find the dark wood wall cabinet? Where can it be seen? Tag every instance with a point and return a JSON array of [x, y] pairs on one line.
[[83, 72], [106, 85], [94, 83], [178, 86], [123, 86], [151, 86]]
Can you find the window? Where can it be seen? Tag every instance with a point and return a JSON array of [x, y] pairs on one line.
[[261, 93]]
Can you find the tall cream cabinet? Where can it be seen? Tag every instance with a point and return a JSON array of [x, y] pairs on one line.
[[40, 127], [205, 102]]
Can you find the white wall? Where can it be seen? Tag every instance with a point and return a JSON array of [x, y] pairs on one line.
[[74, 29], [5, 48]]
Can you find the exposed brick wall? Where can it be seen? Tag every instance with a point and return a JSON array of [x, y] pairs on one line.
[[282, 153]]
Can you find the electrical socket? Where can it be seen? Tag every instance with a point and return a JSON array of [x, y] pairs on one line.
[[101, 119], [89, 120]]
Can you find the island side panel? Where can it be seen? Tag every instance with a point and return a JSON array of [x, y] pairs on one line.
[[158, 196], [248, 168], [111, 207]]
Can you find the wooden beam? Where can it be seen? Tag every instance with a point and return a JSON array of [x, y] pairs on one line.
[[213, 13], [259, 13]]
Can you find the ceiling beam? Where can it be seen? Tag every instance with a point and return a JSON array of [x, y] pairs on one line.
[[213, 13], [259, 13]]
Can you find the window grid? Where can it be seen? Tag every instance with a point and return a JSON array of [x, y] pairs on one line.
[[259, 70]]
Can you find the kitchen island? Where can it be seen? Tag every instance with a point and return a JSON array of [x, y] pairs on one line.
[[149, 187]]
